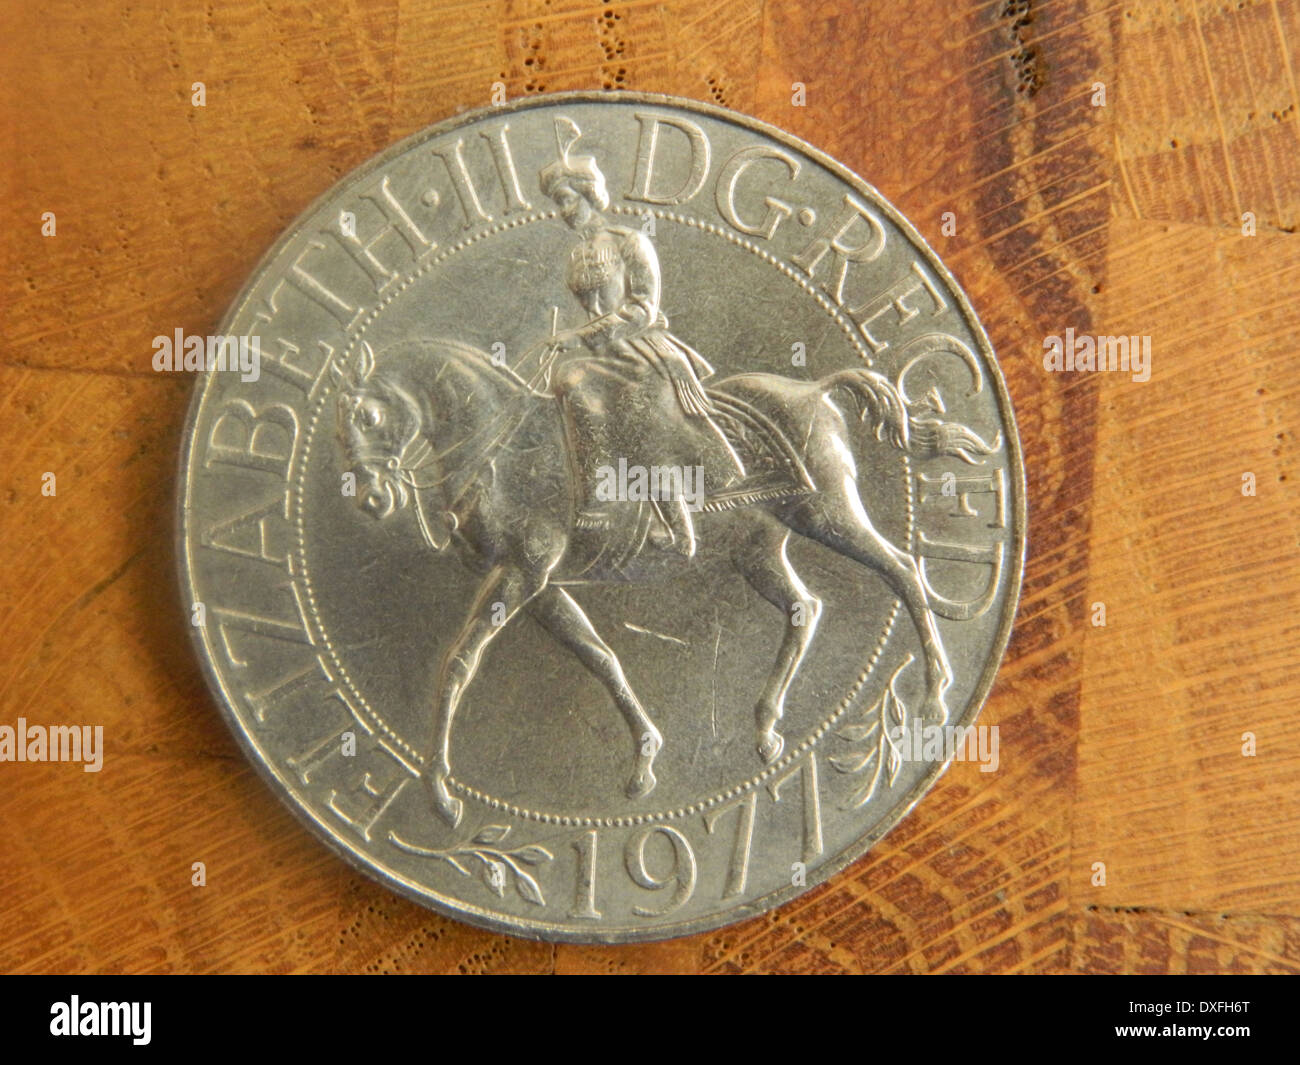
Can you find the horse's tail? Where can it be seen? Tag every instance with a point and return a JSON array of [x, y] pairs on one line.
[[916, 427]]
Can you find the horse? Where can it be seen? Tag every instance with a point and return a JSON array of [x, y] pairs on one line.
[[481, 454]]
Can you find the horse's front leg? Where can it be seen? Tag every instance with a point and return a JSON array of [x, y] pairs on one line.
[[505, 590]]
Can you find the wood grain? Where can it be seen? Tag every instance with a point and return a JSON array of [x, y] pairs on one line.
[[1120, 744]]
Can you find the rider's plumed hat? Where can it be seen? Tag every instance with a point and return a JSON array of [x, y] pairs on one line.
[[579, 172]]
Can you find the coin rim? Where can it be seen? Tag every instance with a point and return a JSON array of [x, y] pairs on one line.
[[523, 927]]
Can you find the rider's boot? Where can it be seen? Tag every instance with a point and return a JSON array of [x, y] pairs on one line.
[[677, 529]]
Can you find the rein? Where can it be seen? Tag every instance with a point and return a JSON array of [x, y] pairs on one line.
[[417, 454]]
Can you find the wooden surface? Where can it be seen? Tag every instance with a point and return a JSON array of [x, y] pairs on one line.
[[1120, 744]]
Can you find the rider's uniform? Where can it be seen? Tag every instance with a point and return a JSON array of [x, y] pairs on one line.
[[638, 394]]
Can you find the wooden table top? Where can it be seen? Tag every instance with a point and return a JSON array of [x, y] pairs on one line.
[[1117, 169]]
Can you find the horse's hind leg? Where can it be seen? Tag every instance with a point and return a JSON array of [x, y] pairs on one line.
[[556, 610], [761, 558], [840, 522]]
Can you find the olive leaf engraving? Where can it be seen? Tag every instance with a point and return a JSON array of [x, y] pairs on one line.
[[496, 867], [881, 753]]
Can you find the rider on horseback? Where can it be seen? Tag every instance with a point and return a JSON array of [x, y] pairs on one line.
[[635, 391]]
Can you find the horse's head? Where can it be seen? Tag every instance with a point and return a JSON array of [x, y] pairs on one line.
[[378, 423]]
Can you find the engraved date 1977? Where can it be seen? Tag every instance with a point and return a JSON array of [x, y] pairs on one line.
[[499, 868]]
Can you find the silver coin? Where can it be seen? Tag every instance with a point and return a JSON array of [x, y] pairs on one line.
[[615, 524]]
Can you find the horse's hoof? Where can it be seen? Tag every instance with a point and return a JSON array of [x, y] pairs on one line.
[[449, 807], [642, 784], [770, 747], [451, 811], [935, 711]]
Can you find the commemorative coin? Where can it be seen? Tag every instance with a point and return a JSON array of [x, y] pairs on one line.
[[601, 517]]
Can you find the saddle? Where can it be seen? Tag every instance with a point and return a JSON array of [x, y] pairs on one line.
[[773, 469], [774, 472]]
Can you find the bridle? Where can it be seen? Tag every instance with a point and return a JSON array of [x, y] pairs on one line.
[[417, 454]]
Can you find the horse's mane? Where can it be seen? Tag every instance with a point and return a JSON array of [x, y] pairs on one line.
[[459, 350]]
